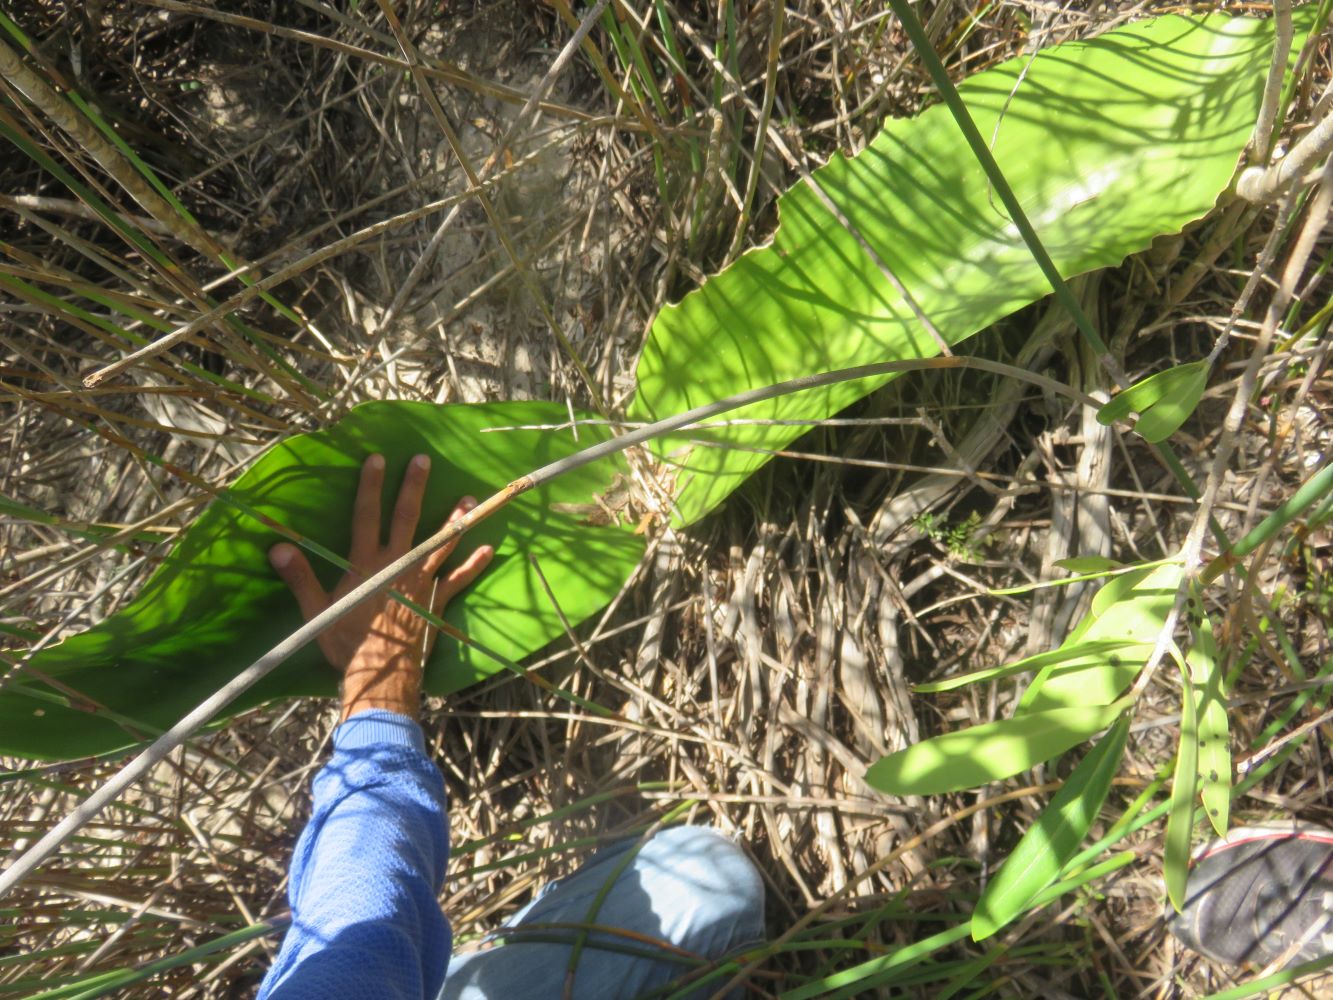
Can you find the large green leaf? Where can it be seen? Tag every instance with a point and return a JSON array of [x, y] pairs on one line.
[[974, 756], [1107, 143], [215, 605]]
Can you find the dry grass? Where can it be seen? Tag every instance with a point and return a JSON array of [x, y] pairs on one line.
[[761, 660]]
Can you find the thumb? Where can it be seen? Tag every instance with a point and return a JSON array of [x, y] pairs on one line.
[[295, 571]]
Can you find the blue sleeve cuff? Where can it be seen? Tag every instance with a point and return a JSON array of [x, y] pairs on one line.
[[378, 727]]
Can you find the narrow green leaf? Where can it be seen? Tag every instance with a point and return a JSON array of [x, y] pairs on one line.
[[886, 970], [92, 532], [1214, 725], [1163, 401], [1084, 565], [18, 632], [1063, 654], [215, 604], [1271, 985], [1137, 570], [1039, 857], [1180, 820], [980, 754], [22, 512], [856, 981]]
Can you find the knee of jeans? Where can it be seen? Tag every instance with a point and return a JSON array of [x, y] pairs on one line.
[[702, 886]]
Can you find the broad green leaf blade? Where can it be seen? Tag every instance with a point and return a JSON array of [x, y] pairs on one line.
[[974, 756], [1163, 401], [215, 605], [1214, 725], [1129, 610], [1037, 860], [1107, 143], [1180, 820]]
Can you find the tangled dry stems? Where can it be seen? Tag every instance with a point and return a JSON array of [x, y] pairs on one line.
[[757, 663]]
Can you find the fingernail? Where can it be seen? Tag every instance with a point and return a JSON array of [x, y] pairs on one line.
[[375, 462], [280, 556], [421, 461], [467, 503]]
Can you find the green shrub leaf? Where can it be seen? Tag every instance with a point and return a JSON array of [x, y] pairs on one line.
[[1107, 143], [215, 605], [1050, 842], [1163, 401], [1111, 643], [979, 754]]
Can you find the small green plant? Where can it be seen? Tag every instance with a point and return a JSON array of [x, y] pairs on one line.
[[958, 539]]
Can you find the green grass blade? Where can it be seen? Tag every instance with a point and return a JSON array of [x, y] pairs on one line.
[[1268, 984], [105, 983], [887, 969], [1180, 820], [1316, 488], [850, 982], [981, 149]]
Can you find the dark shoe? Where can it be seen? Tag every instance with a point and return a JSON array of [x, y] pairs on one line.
[[1261, 895]]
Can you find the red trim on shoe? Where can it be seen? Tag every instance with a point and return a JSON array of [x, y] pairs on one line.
[[1250, 835]]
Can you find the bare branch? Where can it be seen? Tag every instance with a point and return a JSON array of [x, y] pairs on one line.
[[1259, 184], [1262, 141]]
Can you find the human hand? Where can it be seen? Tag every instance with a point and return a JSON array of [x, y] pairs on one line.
[[381, 645]]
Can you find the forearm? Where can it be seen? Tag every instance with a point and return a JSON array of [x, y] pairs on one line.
[[391, 683], [366, 871]]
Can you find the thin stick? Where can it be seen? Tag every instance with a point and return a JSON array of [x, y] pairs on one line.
[[1262, 141], [201, 714]]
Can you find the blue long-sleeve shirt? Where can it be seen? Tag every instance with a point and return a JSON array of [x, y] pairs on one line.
[[366, 871]]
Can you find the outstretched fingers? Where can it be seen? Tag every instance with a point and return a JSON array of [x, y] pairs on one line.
[[407, 511], [366, 512], [461, 576], [435, 561], [295, 571]]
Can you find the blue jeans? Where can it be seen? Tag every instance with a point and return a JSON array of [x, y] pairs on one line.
[[688, 896]]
